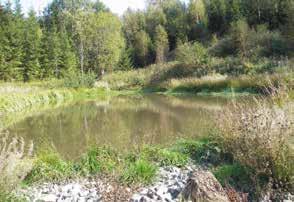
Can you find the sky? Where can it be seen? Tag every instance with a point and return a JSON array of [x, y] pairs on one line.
[[116, 6]]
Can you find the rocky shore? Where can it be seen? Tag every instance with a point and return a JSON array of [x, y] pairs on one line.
[[171, 185]]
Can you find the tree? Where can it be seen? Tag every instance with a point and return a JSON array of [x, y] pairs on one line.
[[176, 26], [142, 43], [133, 22], [100, 41], [233, 10], [126, 62], [50, 54], [197, 19], [32, 40], [161, 44], [154, 16], [216, 10], [240, 32], [11, 43]]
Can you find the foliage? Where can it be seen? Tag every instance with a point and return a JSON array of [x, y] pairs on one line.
[[194, 54], [257, 137], [234, 175], [142, 46], [80, 80], [161, 44], [126, 61]]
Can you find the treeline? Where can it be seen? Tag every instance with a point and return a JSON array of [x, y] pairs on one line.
[[226, 27], [70, 37], [77, 37]]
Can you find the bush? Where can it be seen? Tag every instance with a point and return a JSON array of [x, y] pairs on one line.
[[263, 42], [195, 53], [234, 175], [257, 136], [250, 43], [78, 80]]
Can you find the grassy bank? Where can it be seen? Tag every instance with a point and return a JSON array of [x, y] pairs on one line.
[[19, 100], [178, 78]]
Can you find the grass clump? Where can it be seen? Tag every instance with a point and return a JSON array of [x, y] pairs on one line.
[[99, 160], [164, 157], [140, 170], [49, 166]]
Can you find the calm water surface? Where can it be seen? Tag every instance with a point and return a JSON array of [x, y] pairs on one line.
[[121, 122]]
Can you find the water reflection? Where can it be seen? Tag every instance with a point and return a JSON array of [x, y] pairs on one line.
[[122, 122]]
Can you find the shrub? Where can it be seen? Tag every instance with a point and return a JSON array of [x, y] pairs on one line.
[[266, 43], [234, 175], [257, 137], [250, 43], [192, 54], [78, 80]]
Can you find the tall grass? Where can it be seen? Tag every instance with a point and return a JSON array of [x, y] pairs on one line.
[[259, 137], [15, 163], [218, 76]]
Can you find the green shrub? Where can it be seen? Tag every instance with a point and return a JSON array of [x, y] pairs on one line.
[[79, 80], [234, 175], [195, 53], [202, 151]]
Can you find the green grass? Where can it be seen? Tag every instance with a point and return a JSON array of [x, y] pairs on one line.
[[140, 170], [129, 167], [49, 166]]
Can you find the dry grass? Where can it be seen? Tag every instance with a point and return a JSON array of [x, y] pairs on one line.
[[259, 137], [15, 160]]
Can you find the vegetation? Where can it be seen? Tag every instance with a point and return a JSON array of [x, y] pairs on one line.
[[77, 49], [73, 37]]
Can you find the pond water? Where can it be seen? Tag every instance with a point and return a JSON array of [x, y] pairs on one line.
[[122, 122]]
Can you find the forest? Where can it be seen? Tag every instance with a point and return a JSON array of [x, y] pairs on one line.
[[80, 37]]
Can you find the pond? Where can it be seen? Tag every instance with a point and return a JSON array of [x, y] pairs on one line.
[[122, 122]]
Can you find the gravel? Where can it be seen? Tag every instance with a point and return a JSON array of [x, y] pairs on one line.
[[168, 186]]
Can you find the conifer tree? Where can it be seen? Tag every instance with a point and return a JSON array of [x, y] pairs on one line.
[[32, 40]]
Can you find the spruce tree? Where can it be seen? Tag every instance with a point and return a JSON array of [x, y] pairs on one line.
[[32, 40]]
